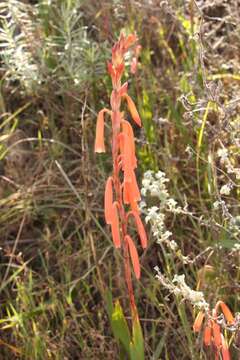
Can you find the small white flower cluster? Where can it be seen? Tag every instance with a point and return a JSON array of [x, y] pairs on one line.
[[226, 189], [236, 247], [224, 155], [195, 297], [179, 287], [154, 184]]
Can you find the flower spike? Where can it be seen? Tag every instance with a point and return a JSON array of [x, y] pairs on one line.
[[121, 188]]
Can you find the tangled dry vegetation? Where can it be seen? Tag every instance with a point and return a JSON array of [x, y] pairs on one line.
[[56, 253]]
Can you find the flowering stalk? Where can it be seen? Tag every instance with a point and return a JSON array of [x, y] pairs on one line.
[[122, 196]]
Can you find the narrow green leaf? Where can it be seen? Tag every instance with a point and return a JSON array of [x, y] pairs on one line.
[[137, 343], [120, 327], [109, 303]]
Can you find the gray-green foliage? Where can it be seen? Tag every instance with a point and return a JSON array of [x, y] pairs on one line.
[[48, 42]]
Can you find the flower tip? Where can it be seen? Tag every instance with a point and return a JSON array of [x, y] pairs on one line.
[[99, 150]]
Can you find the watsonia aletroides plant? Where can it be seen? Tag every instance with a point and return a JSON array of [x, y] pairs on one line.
[[122, 193]]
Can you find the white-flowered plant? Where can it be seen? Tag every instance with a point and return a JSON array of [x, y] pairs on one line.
[[154, 185], [178, 287]]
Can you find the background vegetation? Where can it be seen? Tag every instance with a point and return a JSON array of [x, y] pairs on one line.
[[56, 253]]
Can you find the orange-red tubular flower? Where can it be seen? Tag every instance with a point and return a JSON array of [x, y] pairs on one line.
[[140, 228], [127, 129], [133, 110], [134, 256], [132, 190], [115, 226], [207, 334], [216, 335], [226, 311], [129, 197], [99, 141], [131, 193], [128, 157], [198, 321], [108, 201]]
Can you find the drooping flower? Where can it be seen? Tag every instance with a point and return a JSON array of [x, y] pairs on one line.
[[127, 154], [226, 311], [133, 110], [207, 334], [134, 256], [127, 129], [216, 331], [115, 226], [99, 141], [108, 200], [131, 193], [140, 228]]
